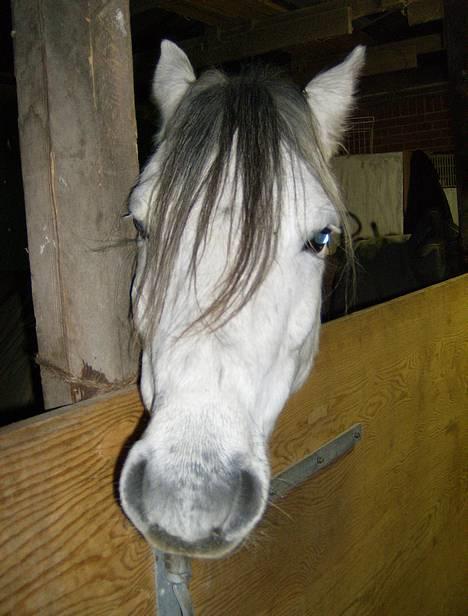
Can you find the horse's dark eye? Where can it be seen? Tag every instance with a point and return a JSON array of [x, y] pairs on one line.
[[318, 241], [140, 228]]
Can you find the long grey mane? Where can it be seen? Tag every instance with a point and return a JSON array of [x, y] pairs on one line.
[[242, 123]]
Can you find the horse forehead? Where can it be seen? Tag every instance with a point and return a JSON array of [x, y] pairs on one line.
[[306, 205], [304, 201]]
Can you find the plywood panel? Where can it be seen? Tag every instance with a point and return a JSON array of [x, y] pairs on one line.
[[65, 546], [379, 533]]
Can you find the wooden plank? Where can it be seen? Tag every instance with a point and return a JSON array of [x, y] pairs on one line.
[[220, 12], [397, 56], [379, 533], [401, 55], [66, 548], [326, 20], [403, 81], [362, 8], [79, 160], [212, 12], [294, 27], [424, 11]]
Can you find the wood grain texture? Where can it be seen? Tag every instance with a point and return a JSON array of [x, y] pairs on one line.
[[65, 546], [379, 533], [307, 60], [77, 128], [268, 34], [422, 11], [214, 12]]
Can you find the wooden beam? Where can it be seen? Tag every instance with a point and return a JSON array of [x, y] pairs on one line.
[[424, 11], [456, 36], [401, 55], [323, 21], [57, 473], [79, 159], [291, 28], [338, 538], [398, 56], [402, 81], [66, 547], [326, 20], [363, 8], [220, 12], [212, 12]]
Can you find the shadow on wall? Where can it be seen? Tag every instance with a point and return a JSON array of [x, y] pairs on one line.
[[388, 266], [20, 386]]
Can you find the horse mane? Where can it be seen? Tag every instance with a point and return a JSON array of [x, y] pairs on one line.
[[242, 124]]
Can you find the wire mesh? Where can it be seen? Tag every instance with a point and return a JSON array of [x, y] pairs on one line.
[[445, 166], [360, 135]]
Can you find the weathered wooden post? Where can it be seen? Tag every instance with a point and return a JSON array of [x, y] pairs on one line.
[[77, 128]]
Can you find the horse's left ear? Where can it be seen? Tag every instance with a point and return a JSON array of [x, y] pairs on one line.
[[172, 77], [330, 97]]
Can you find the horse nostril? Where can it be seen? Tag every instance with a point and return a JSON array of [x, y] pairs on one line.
[[133, 487], [196, 513], [217, 533], [247, 503]]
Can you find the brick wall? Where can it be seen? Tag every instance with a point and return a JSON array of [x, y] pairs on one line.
[[409, 121]]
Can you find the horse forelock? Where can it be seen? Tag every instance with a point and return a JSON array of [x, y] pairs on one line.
[[242, 124]]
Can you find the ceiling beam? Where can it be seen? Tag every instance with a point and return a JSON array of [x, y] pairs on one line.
[[212, 12], [363, 8], [423, 11], [291, 28], [402, 81], [391, 57], [318, 22], [401, 55]]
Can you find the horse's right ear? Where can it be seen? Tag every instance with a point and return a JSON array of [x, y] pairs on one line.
[[172, 77]]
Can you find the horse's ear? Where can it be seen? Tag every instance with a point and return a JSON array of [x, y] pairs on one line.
[[172, 77], [330, 97]]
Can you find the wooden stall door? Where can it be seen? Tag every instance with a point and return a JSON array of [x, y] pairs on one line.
[[380, 533]]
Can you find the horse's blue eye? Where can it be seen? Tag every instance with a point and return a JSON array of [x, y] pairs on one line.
[[319, 240]]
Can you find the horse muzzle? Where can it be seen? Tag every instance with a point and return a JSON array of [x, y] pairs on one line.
[[191, 509]]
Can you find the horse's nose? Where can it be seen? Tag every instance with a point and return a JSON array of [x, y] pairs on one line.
[[199, 513]]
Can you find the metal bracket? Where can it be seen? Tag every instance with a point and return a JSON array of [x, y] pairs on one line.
[[296, 474], [173, 573]]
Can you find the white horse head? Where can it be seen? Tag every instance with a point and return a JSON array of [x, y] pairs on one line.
[[234, 212]]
